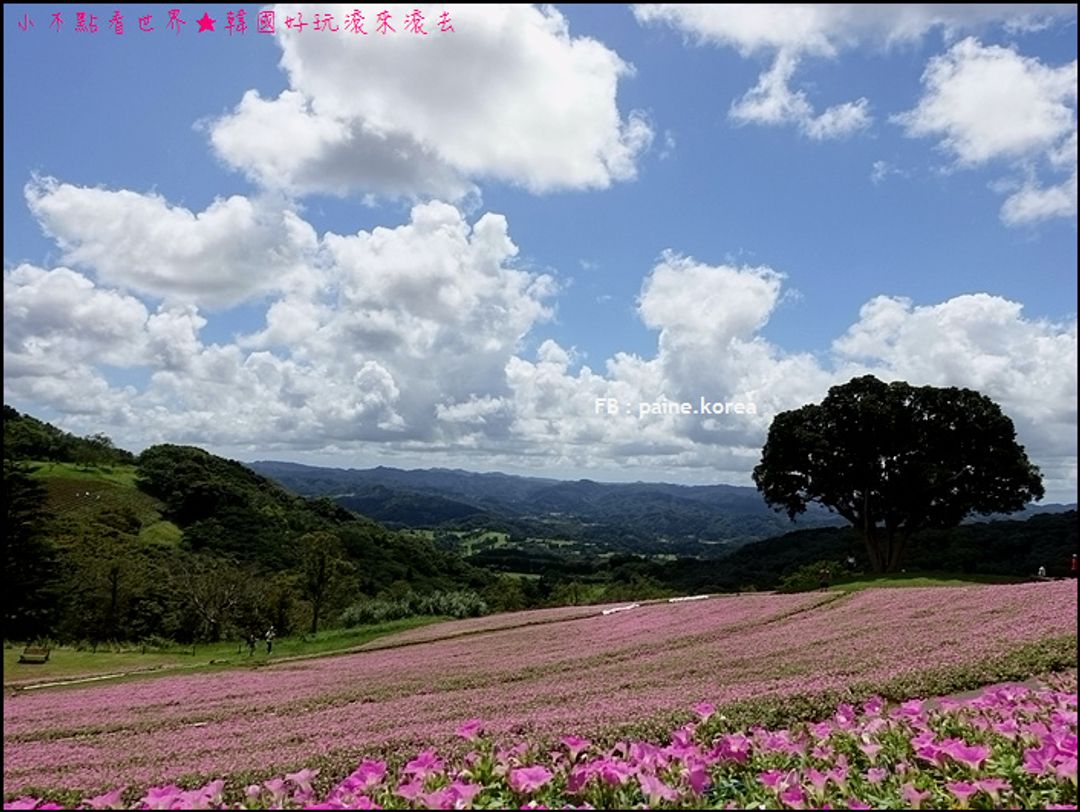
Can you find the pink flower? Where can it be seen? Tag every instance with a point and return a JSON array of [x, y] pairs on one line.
[[363, 802], [962, 790], [277, 789], [163, 797], [821, 730], [855, 803], [655, 789], [410, 789], [424, 764], [470, 730], [369, 773], [107, 800], [771, 778], [576, 745], [734, 747], [875, 775], [870, 749], [993, 786], [252, 792], [613, 772], [839, 772], [972, 756], [873, 706], [698, 777], [528, 779], [793, 796], [818, 780], [25, 802], [704, 710], [464, 792], [302, 779], [912, 796]]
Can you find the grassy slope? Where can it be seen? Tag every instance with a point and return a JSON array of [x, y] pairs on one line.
[[81, 493], [68, 663], [922, 579]]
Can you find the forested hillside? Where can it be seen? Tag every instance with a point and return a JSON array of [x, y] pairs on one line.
[[178, 543]]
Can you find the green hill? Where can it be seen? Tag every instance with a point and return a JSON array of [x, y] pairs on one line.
[[181, 544]]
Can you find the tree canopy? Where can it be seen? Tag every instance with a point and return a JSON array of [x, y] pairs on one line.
[[894, 459]]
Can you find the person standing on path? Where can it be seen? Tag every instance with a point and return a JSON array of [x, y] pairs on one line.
[[269, 639]]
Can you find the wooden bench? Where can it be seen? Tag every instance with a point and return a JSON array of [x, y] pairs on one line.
[[34, 654]]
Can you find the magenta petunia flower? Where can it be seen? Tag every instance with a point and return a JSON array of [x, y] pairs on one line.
[[529, 779], [971, 756], [821, 730], [875, 775], [576, 745], [913, 797], [161, 797], [698, 778], [470, 730], [655, 789], [464, 792], [25, 802], [107, 800], [993, 786], [410, 790], [424, 764], [277, 789], [704, 710], [870, 749], [613, 772], [369, 773], [855, 803], [962, 790], [818, 780], [771, 778], [793, 796], [302, 778]]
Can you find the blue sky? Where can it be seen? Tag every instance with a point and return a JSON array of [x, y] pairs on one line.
[[746, 204]]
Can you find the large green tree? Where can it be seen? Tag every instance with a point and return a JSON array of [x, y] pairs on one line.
[[30, 570], [893, 459], [322, 566]]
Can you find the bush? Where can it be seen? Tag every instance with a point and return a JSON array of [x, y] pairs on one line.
[[810, 577], [457, 603]]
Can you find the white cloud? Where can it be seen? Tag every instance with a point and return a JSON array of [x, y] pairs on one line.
[[793, 32], [982, 342], [772, 101], [525, 102], [412, 342], [143, 244], [988, 103]]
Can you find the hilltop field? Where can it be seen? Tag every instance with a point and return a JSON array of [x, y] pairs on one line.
[[533, 679]]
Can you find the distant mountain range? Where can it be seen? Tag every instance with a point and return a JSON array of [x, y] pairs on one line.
[[640, 516]]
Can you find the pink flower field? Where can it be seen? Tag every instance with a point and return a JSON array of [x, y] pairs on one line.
[[587, 674]]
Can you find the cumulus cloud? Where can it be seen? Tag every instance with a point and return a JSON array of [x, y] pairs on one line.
[[383, 332], [413, 341], [982, 342], [772, 101], [231, 251], [791, 33], [988, 103], [510, 95]]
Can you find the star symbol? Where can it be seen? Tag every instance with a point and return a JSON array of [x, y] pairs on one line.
[[206, 22]]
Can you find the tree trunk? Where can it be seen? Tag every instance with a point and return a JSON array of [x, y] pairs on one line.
[[874, 552]]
